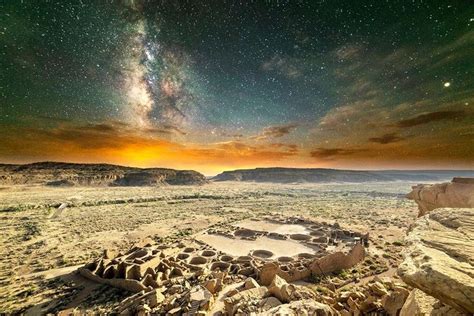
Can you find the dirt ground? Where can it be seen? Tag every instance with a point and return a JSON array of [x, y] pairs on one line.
[[48, 232]]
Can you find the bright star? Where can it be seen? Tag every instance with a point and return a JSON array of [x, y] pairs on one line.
[[447, 84]]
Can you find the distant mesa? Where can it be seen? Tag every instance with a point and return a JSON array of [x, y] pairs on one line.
[[60, 174], [320, 175]]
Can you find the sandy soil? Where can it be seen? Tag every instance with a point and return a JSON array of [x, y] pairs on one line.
[[42, 241], [244, 247]]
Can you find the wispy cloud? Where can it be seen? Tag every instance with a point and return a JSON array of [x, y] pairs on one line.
[[431, 117], [330, 153], [284, 66], [275, 131], [386, 139]]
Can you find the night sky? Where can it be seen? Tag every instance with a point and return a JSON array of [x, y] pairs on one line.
[[216, 85]]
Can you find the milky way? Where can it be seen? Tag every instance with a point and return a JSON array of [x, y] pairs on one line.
[[214, 85]]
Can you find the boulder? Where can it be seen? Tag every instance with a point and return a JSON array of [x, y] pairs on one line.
[[394, 301], [200, 298], [378, 289], [459, 193], [440, 256], [303, 307], [288, 292], [213, 285], [250, 283], [268, 303], [257, 293], [418, 303]]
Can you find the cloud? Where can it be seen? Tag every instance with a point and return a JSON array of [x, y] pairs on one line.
[[166, 129], [275, 131], [430, 117], [330, 153], [349, 51], [290, 147], [284, 66], [386, 139], [232, 135], [120, 143]]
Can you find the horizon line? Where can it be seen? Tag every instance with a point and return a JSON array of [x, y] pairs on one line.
[[236, 169]]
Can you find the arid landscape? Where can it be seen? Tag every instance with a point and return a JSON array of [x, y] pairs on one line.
[[51, 233], [221, 158]]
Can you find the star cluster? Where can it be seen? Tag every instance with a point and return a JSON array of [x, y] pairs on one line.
[[212, 85]]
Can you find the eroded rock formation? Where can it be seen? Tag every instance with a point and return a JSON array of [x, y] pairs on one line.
[[322, 175], [70, 174], [457, 193], [440, 256]]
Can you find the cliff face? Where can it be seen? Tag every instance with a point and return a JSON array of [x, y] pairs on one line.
[[289, 175], [69, 174], [457, 193], [439, 258]]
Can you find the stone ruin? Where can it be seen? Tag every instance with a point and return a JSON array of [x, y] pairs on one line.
[[188, 266]]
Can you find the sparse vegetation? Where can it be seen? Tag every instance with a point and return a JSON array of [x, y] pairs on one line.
[[117, 218]]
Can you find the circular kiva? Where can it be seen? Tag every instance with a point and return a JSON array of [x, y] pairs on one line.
[[219, 265], [306, 255], [300, 237], [317, 233], [264, 254], [208, 253], [226, 258], [243, 259], [244, 233], [183, 256], [285, 259], [198, 260]]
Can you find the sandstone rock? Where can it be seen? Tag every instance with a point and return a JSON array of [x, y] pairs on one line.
[[268, 303], [212, 285], [417, 303], [155, 298], [257, 293], [288, 292], [459, 193], [303, 307], [354, 306], [200, 298], [394, 301], [69, 174], [250, 283], [318, 175], [440, 256], [378, 289]]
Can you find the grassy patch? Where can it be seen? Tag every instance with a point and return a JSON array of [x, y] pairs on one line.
[[31, 230]]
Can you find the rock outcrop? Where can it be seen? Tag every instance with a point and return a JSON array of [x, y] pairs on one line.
[[70, 174], [319, 175], [457, 193], [440, 257]]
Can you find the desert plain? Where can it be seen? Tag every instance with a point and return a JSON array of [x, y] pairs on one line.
[[48, 232]]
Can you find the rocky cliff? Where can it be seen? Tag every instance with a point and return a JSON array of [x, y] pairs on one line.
[[69, 174], [457, 193], [290, 175], [440, 256]]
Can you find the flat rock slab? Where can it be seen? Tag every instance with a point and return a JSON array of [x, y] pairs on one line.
[[440, 256]]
